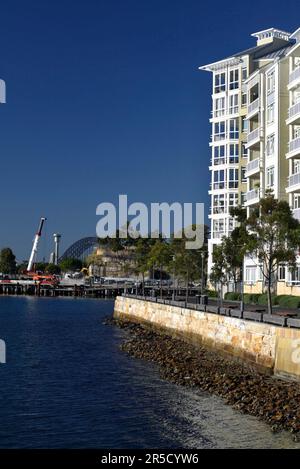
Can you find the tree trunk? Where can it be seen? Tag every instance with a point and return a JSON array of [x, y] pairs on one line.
[[269, 287], [187, 288], [269, 296], [160, 280]]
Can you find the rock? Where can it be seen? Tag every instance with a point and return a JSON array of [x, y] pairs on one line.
[[275, 401]]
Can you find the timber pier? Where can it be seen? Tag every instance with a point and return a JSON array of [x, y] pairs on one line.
[[89, 291]]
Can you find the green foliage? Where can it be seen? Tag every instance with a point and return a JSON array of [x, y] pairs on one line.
[[53, 269], [212, 293], [70, 265], [251, 298], [288, 301], [232, 296], [272, 236], [7, 261]]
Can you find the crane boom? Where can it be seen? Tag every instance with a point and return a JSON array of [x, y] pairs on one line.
[[35, 244]]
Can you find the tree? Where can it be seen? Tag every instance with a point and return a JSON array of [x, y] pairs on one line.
[[70, 264], [142, 259], [231, 252], [160, 256], [53, 269], [7, 261], [218, 274], [273, 237], [187, 263]]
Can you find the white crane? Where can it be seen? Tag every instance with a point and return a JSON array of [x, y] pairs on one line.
[[35, 244]]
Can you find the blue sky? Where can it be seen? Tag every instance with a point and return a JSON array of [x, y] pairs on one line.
[[104, 98]]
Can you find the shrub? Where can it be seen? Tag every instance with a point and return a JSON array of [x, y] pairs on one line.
[[212, 293], [288, 301], [251, 298], [232, 296]]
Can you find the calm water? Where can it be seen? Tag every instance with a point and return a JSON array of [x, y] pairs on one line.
[[66, 384]]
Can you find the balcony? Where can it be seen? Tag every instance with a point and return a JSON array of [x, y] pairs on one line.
[[252, 197], [294, 148], [253, 108], [293, 183], [253, 137], [252, 167], [294, 78], [296, 213], [294, 114]]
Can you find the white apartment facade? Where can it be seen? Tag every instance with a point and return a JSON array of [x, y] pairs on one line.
[[255, 137]]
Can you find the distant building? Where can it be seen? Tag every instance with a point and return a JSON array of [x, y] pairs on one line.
[[107, 263]]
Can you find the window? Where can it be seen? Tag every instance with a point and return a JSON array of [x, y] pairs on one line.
[[296, 131], [281, 272], [260, 276], [296, 167], [270, 113], [244, 151], [234, 79], [244, 73], [234, 153], [244, 124], [233, 103], [219, 131], [295, 275], [230, 224], [219, 181], [233, 178], [232, 199], [270, 82], [219, 155], [233, 129], [270, 176], [243, 174], [296, 201], [244, 99], [218, 228], [219, 107], [219, 203], [220, 82], [243, 198], [250, 274], [270, 145]]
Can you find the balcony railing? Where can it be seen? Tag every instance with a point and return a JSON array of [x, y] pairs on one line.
[[294, 144], [252, 165], [251, 195], [296, 213], [294, 110], [294, 75], [294, 179], [254, 135], [253, 106]]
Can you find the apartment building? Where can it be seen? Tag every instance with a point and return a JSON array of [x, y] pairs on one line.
[[255, 142]]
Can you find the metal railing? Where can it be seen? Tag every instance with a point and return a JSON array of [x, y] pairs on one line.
[[294, 179], [251, 195], [294, 75], [296, 213], [294, 110], [253, 106], [253, 135], [252, 165], [294, 144]]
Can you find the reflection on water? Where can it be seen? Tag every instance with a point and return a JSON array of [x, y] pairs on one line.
[[66, 384]]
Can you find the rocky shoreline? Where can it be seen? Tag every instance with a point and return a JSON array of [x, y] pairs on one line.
[[272, 400]]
